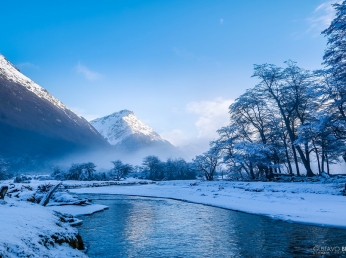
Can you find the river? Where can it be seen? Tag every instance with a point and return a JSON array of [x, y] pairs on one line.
[[156, 227]]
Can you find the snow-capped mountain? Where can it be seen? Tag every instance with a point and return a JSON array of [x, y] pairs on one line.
[[9, 72], [34, 122], [124, 130]]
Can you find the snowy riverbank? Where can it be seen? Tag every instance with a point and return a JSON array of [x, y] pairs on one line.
[[311, 203], [30, 230]]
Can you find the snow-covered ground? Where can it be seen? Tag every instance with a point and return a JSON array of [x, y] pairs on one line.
[[31, 230], [76, 210], [311, 203]]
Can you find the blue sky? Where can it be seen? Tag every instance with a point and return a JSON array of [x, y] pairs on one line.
[[177, 64]]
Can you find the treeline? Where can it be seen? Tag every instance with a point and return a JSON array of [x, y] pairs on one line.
[[290, 119], [152, 168], [11, 166], [172, 169], [4, 173]]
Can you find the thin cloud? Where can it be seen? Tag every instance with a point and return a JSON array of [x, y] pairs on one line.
[[322, 16], [87, 73], [27, 65], [221, 21], [212, 115], [84, 113], [177, 137]]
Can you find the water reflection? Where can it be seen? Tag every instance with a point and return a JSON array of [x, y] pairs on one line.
[[149, 227]]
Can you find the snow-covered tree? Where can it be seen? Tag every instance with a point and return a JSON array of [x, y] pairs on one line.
[[153, 165], [258, 127], [333, 79], [82, 171], [177, 169], [74, 172], [327, 147], [207, 162], [58, 173], [89, 169], [287, 92], [335, 54], [228, 138], [120, 170]]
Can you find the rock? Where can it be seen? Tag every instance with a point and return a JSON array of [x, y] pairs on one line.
[[3, 191]]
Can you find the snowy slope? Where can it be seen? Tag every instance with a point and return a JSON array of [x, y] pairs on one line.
[[119, 126], [32, 120], [11, 73]]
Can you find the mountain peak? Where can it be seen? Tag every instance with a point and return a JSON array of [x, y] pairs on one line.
[[118, 126], [125, 111], [122, 113], [4, 61]]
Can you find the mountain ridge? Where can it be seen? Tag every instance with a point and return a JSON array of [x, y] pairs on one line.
[[34, 122], [124, 130], [12, 73]]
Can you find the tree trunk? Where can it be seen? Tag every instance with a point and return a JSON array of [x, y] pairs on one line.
[[327, 164], [270, 173], [244, 167], [306, 162], [318, 162], [46, 198], [208, 176], [295, 159], [288, 159], [323, 158], [251, 172], [307, 153]]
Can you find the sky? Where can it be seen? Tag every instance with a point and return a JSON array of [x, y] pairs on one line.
[[176, 64]]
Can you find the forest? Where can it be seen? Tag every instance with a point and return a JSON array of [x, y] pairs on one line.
[[292, 118]]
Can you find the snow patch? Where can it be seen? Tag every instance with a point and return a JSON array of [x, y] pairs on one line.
[[76, 210]]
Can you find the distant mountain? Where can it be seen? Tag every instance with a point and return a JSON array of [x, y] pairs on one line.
[[126, 132], [34, 122]]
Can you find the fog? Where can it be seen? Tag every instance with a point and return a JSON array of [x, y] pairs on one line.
[[102, 158]]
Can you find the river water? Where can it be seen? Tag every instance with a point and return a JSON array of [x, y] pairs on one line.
[[155, 227]]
